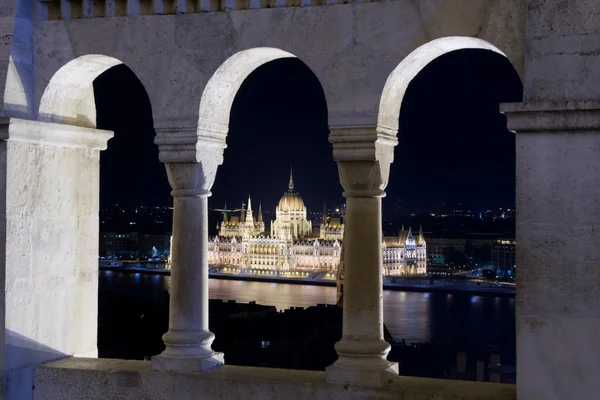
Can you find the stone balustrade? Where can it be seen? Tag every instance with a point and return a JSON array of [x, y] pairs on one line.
[[91, 379], [74, 9]]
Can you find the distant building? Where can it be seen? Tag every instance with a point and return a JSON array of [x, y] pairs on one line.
[[503, 257], [290, 216], [242, 241], [133, 245], [154, 246], [242, 225], [405, 254], [437, 246], [292, 246], [331, 228], [119, 245]]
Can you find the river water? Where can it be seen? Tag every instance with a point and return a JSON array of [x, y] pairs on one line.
[[412, 316]]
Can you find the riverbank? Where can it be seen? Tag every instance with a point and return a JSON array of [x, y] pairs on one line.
[[439, 286]]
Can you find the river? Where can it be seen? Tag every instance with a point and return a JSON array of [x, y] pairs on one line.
[[412, 316]]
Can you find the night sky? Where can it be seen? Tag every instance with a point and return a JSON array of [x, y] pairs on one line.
[[454, 146]]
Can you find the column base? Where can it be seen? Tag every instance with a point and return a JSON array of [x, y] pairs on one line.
[[362, 363], [187, 364], [370, 376]]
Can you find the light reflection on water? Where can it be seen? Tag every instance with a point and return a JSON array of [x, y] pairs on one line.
[[412, 316]]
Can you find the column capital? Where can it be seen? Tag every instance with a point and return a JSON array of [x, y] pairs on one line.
[[53, 134], [192, 152], [574, 116], [364, 155], [182, 141], [362, 143]]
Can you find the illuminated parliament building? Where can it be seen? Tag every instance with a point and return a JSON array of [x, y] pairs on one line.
[[293, 245]]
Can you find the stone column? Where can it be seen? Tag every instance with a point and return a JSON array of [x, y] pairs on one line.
[[558, 248], [363, 156], [49, 178], [191, 157]]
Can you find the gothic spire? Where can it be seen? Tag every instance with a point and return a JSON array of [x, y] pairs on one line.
[[291, 184], [249, 217], [225, 216], [324, 214], [260, 217], [420, 239]]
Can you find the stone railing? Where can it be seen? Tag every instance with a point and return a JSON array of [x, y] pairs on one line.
[[91, 379], [74, 9]]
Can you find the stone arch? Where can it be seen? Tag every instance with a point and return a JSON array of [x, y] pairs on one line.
[[220, 91], [398, 81], [69, 96]]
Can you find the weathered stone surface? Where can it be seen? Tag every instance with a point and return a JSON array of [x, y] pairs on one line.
[[49, 221], [551, 370], [89, 379], [563, 59], [558, 308], [351, 48], [453, 17], [505, 29]]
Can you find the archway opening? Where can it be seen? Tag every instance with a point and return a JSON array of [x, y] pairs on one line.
[[99, 92], [135, 214], [130, 171], [278, 120], [454, 174]]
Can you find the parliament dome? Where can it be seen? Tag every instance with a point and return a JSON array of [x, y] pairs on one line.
[[291, 201]]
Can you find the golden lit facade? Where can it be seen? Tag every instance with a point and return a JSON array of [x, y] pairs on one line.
[[290, 216], [261, 253], [243, 225], [242, 245], [331, 228], [405, 254], [242, 242]]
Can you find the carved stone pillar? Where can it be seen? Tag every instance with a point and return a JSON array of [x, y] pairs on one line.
[[363, 156], [191, 157], [49, 203]]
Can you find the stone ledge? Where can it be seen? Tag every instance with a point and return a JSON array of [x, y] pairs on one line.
[[193, 7], [570, 116], [84, 379], [55, 134]]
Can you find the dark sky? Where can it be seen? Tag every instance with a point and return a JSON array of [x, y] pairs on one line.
[[454, 146]]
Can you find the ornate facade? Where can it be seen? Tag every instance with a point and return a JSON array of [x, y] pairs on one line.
[[405, 254], [243, 225], [290, 216], [331, 228], [242, 243]]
